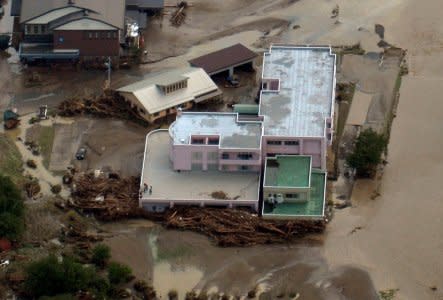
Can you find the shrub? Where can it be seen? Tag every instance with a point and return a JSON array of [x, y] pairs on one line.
[[56, 189], [367, 153], [31, 164], [118, 273], [101, 255], [11, 209]]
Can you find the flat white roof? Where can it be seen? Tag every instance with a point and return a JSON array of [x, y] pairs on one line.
[[306, 95], [150, 95], [54, 15], [86, 24], [233, 134]]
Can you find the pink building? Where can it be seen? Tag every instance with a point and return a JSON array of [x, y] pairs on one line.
[[295, 118]]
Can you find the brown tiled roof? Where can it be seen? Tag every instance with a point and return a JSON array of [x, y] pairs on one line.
[[223, 58]]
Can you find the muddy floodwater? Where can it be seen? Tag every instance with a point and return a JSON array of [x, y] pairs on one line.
[[185, 261]]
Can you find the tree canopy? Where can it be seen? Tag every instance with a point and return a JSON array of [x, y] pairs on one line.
[[367, 152], [11, 209]]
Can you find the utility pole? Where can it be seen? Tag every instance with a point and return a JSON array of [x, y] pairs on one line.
[[109, 71]]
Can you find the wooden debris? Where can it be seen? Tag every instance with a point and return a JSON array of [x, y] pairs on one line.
[[179, 15], [118, 198], [109, 104]]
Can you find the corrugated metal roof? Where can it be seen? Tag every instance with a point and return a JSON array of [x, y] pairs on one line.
[[145, 4], [85, 24], [109, 11], [224, 58], [54, 15], [233, 134], [305, 98], [148, 93]]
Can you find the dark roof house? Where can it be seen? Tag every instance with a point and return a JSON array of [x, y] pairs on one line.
[[224, 59]]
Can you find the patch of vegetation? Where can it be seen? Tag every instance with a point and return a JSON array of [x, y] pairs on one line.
[[11, 161], [101, 255], [11, 209], [51, 277], [46, 141], [119, 273], [174, 253], [367, 153], [388, 294]]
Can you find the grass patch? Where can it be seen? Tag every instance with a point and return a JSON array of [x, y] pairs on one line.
[[11, 161], [174, 253], [388, 294], [46, 140]]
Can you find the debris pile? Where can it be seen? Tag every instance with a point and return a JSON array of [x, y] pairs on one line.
[[11, 119], [108, 104], [108, 198], [179, 15], [233, 227], [116, 198]]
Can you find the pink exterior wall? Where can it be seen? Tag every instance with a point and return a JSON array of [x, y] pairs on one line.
[[205, 157], [315, 147]]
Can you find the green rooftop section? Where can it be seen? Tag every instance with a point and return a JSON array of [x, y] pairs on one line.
[[311, 208], [288, 171]]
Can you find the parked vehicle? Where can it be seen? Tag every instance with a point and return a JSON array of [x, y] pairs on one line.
[[81, 153]]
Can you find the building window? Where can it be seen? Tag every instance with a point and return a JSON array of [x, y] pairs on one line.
[[97, 35], [108, 35], [213, 141], [244, 156], [292, 196], [61, 39], [90, 36], [291, 143], [35, 29], [225, 155], [197, 141], [212, 155], [196, 155], [274, 142], [243, 168], [115, 34]]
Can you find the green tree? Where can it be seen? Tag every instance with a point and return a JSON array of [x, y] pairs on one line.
[[11, 209], [367, 153], [50, 277], [101, 255], [118, 273]]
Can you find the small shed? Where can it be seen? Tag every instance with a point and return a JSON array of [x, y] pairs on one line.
[[225, 60]]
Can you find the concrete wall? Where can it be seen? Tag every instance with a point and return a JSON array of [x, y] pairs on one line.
[[206, 157], [303, 193], [102, 46]]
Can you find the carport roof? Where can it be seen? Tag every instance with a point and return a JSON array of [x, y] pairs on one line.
[[223, 59]]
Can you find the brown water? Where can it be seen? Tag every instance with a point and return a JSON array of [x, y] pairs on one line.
[[184, 261]]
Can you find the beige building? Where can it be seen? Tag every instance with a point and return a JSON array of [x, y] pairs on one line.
[[163, 93]]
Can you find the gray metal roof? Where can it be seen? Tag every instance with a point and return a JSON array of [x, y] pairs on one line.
[[109, 11], [305, 98], [54, 15], [145, 4], [233, 134], [85, 24]]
